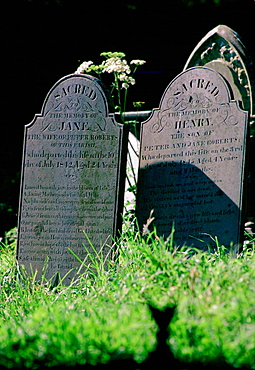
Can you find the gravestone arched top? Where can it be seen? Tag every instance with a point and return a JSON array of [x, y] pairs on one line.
[[222, 50], [74, 96], [190, 90], [195, 93]]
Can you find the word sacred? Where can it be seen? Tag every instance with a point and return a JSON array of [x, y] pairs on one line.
[[76, 89], [199, 83]]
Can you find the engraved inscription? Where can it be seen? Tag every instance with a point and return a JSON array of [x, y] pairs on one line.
[[192, 162], [71, 178]]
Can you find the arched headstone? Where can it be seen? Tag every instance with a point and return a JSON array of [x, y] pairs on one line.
[[73, 178], [192, 161], [223, 51]]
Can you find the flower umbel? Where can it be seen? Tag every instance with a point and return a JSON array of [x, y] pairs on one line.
[[84, 67], [122, 72], [137, 62], [116, 65]]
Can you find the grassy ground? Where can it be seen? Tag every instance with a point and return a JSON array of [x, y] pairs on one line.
[[105, 316]]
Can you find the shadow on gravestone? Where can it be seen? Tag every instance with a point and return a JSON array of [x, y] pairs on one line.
[[223, 51], [184, 197], [73, 178], [192, 160]]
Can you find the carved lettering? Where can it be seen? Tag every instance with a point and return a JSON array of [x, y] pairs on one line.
[[192, 154], [71, 178]]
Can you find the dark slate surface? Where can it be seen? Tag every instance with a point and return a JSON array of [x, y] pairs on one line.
[[192, 161], [222, 49], [71, 177]]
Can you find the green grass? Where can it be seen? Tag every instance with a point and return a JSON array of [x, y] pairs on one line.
[[104, 317]]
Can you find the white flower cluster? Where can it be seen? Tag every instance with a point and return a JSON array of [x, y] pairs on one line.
[[122, 69], [126, 80], [83, 67], [116, 65], [138, 62]]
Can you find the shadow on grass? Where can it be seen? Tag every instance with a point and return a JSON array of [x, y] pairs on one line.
[[160, 359]]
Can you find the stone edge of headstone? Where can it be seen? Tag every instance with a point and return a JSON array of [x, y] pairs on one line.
[[236, 42]]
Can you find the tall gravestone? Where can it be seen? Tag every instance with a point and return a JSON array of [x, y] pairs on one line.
[[223, 50], [192, 161], [73, 178]]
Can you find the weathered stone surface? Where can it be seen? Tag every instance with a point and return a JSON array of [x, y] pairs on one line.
[[223, 50], [192, 159], [72, 178]]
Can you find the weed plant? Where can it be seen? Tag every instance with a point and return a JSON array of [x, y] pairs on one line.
[[104, 315]]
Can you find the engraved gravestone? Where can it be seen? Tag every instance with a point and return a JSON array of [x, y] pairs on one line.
[[192, 158], [72, 176], [223, 50]]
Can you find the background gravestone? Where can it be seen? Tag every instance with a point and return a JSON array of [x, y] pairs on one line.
[[222, 50], [192, 159], [72, 177]]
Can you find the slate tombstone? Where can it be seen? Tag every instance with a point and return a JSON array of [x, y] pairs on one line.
[[192, 161], [72, 178], [223, 50]]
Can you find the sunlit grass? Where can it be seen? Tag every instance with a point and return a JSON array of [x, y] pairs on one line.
[[104, 314]]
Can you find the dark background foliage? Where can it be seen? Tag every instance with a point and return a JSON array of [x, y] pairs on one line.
[[44, 40]]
